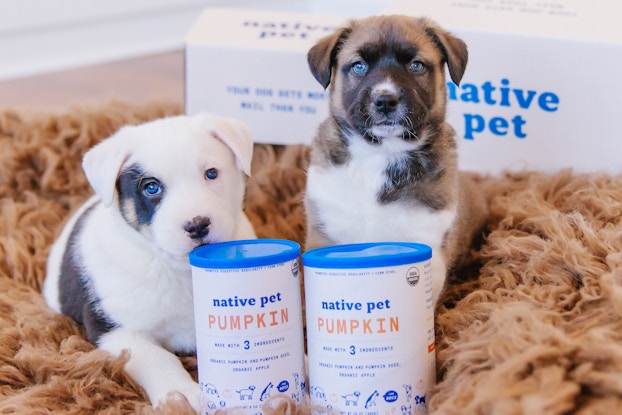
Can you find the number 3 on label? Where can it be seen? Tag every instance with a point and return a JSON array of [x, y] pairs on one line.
[[247, 345], [352, 350]]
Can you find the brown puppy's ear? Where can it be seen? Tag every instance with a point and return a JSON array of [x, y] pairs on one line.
[[322, 56], [454, 50]]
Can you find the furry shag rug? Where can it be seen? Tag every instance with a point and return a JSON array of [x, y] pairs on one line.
[[533, 325]]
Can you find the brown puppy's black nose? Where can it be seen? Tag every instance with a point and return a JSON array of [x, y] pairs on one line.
[[198, 227], [386, 103]]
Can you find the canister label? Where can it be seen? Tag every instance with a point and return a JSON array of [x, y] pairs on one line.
[[370, 334], [249, 336]]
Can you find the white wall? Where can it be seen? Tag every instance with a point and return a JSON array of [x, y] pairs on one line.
[[38, 36], [45, 35]]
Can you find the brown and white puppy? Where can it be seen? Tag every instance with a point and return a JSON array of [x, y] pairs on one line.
[[384, 163]]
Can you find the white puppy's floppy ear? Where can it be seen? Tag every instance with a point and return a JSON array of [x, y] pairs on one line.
[[235, 134], [102, 164]]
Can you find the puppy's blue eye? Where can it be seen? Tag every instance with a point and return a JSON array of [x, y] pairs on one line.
[[359, 68], [211, 173], [416, 66], [152, 188]]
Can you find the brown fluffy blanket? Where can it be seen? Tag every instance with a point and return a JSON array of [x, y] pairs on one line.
[[532, 326]]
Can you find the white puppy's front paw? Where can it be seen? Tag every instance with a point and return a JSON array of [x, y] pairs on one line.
[[190, 391], [193, 395]]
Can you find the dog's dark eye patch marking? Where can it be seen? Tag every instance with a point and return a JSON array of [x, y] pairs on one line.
[[76, 296], [405, 53], [371, 53], [396, 52], [138, 207]]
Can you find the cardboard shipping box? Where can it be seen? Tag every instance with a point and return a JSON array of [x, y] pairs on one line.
[[252, 65], [542, 89]]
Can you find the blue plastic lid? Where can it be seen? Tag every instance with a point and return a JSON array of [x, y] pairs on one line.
[[367, 255], [244, 254]]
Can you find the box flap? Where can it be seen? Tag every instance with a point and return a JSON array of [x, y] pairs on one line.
[[595, 20], [254, 29]]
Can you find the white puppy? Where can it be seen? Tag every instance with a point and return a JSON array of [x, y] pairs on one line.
[[120, 266]]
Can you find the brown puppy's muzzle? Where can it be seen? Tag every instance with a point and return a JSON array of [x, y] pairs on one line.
[[385, 101]]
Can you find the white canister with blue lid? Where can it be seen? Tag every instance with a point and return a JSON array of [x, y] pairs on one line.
[[370, 327], [248, 319]]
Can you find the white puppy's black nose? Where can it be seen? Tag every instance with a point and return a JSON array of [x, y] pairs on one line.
[[198, 227], [386, 103]]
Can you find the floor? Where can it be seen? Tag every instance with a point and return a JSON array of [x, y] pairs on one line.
[[137, 81]]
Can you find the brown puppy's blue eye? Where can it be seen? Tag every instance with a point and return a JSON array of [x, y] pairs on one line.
[[416, 66], [359, 68], [211, 174], [152, 188]]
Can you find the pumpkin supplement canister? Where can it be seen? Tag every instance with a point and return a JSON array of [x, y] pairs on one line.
[[248, 319], [370, 327]]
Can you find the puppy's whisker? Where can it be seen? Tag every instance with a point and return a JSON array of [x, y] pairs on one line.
[[411, 135], [408, 122], [371, 137], [368, 123]]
